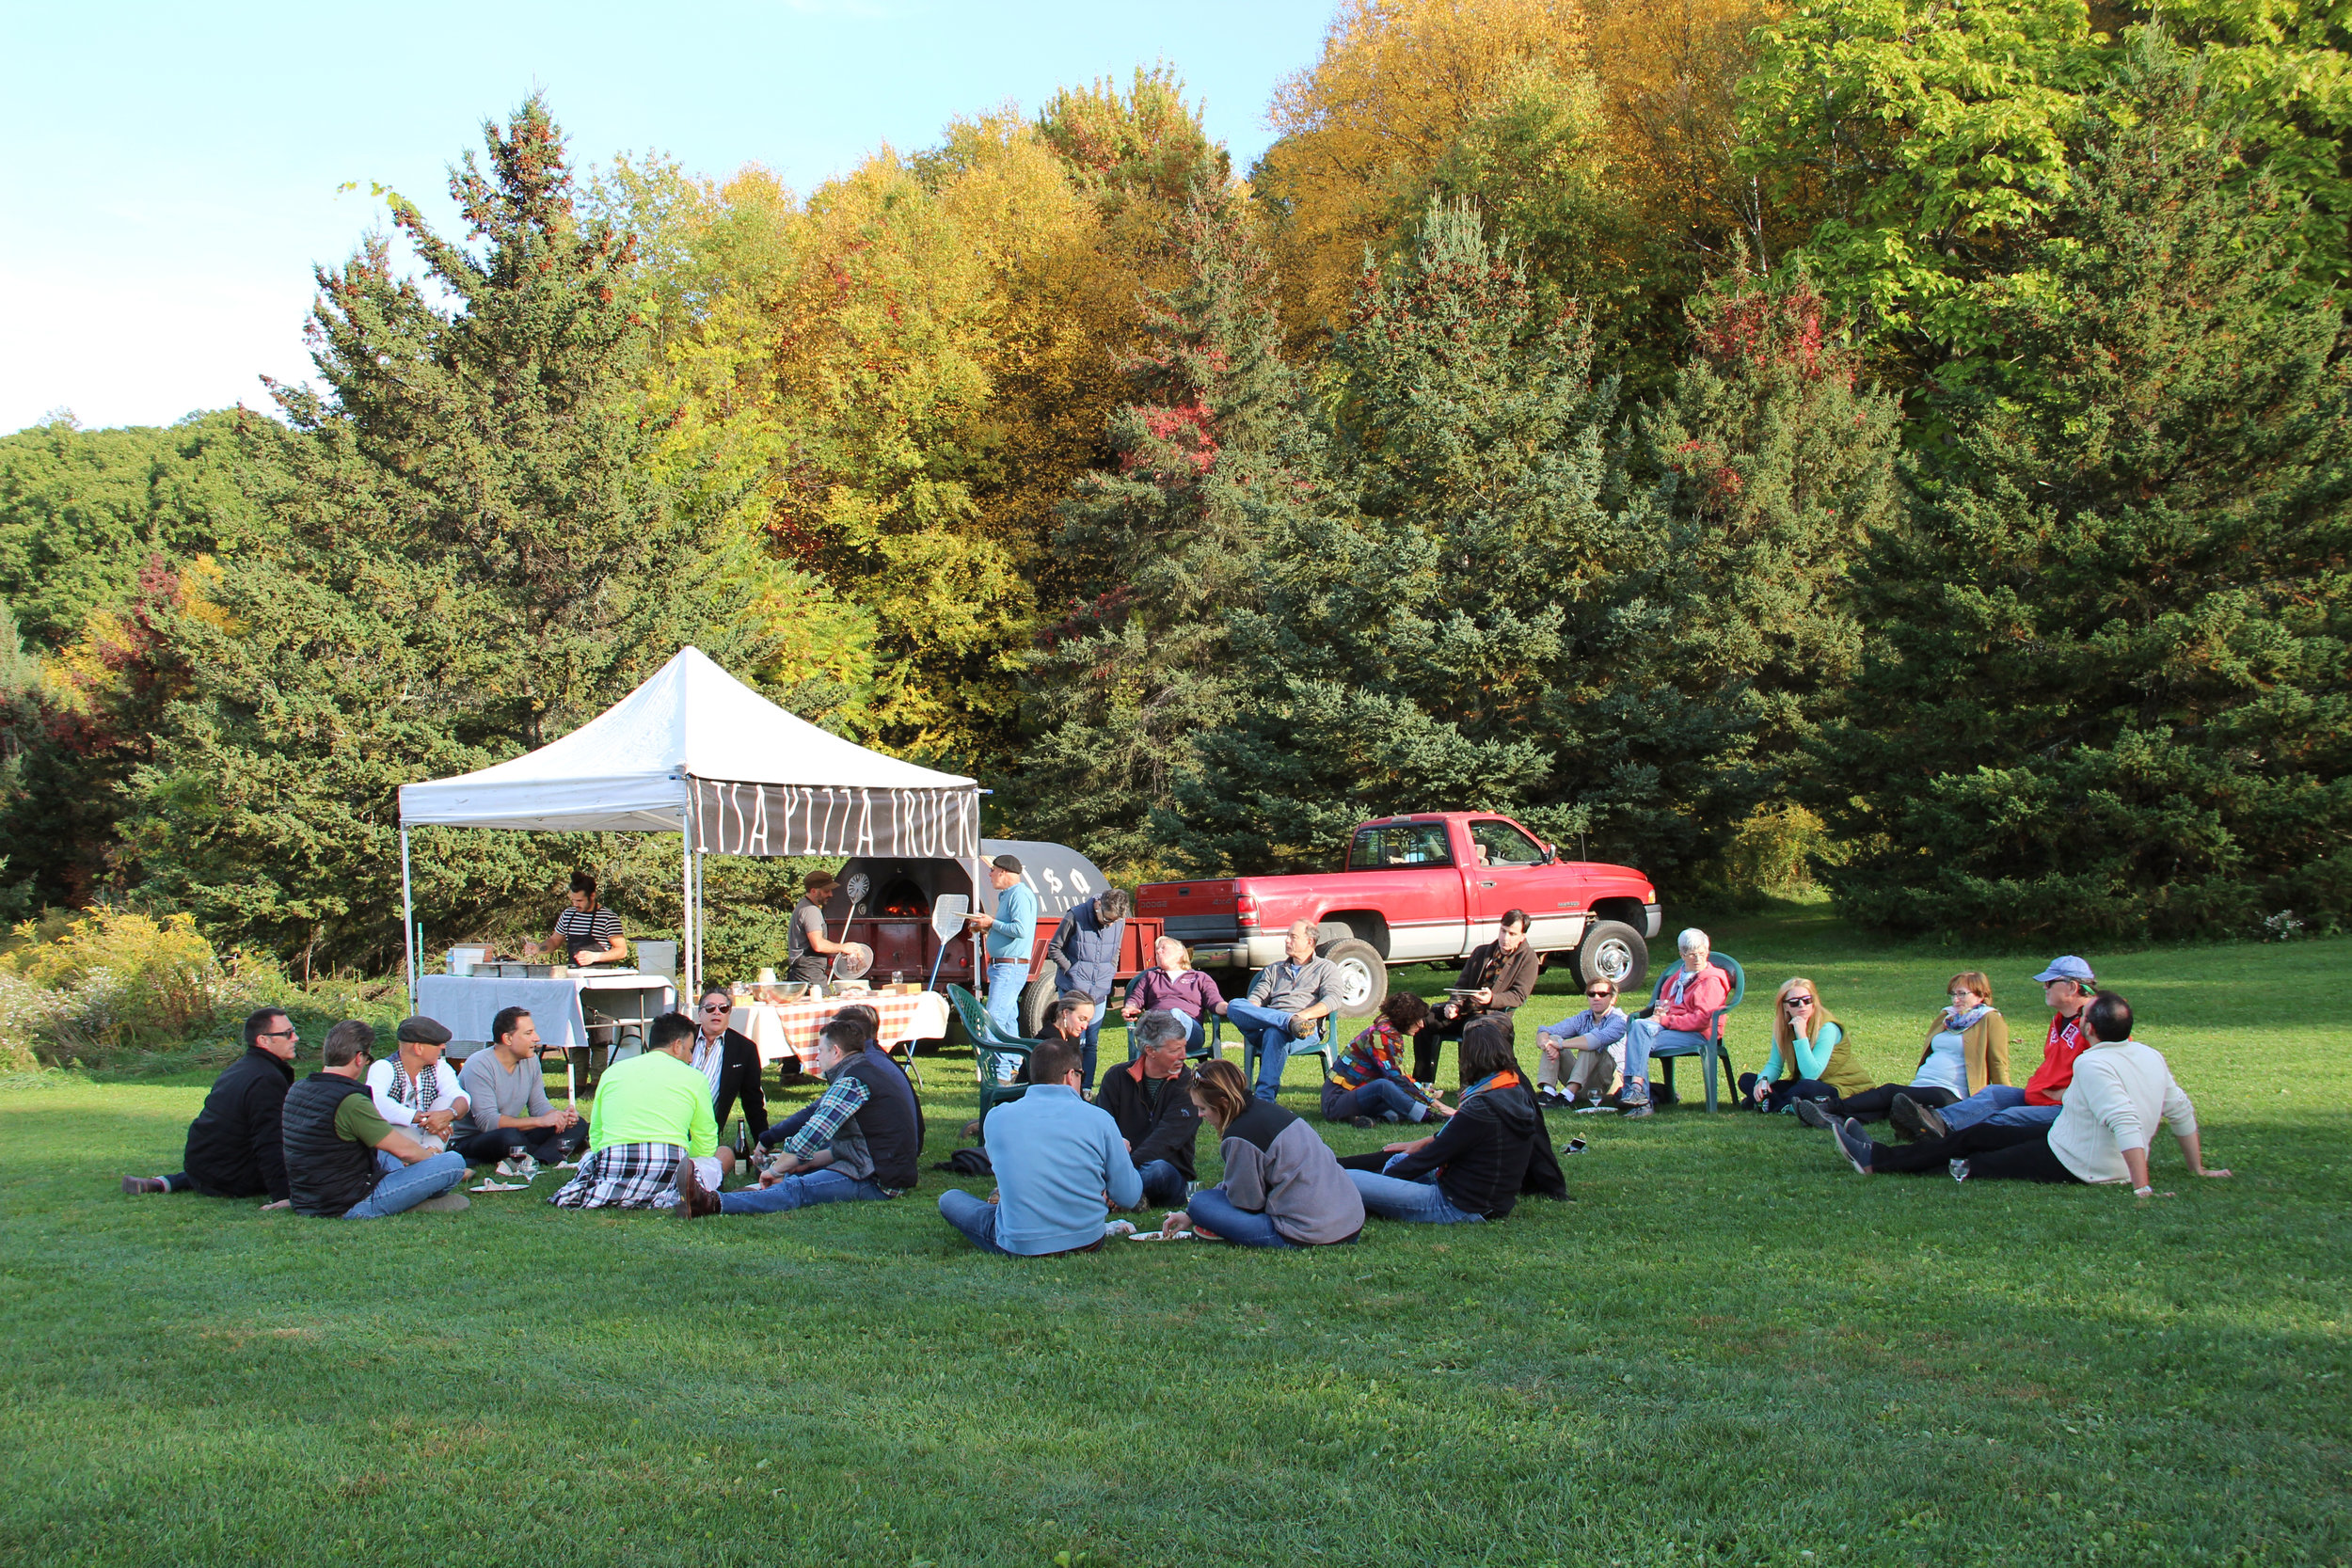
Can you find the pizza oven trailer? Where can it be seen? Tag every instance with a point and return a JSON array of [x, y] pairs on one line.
[[894, 917]]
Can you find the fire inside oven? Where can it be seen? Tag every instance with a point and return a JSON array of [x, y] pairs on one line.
[[903, 900]]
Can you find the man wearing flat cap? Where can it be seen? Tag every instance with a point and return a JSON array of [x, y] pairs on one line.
[[416, 1089], [345, 1162]]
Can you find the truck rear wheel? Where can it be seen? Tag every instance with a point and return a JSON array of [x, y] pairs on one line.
[[1615, 952], [1037, 1001], [1363, 977]]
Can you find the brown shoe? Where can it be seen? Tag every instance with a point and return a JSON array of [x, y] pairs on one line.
[[694, 1200]]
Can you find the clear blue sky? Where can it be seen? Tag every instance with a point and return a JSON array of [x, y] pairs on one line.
[[172, 169]]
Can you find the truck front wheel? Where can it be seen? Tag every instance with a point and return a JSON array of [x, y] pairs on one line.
[[1363, 977], [1615, 952], [1037, 1004]]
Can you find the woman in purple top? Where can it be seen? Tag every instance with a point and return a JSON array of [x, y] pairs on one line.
[[1176, 986]]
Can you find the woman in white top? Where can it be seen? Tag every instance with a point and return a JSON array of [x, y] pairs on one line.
[[1967, 1048], [2121, 1089]]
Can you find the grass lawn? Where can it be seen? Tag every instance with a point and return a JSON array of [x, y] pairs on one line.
[[1728, 1348]]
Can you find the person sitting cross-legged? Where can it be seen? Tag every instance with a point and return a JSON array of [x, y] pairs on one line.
[[1368, 1082], [860, 1139], [415, 1088], [509, 1120], [1684, 1013], [1583, 1051], [1060, 1168], [1150, 1099], [1492, 1150], [2120, 1090], [1282, 1188], [650, 1129], [343, 1160], [1286, 1001], [236, 1148]]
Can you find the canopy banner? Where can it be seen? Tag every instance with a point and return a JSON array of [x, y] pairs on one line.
[[814, 820]]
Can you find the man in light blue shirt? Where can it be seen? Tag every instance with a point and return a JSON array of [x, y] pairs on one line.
[[1056, 1160], [1012, 938]]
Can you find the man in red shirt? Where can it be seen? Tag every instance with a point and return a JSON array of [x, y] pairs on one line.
[[2068, 986]]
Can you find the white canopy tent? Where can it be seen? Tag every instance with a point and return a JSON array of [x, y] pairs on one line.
[[696, 753]]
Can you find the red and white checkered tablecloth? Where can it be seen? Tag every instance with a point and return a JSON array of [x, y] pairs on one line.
[[777, 1027]]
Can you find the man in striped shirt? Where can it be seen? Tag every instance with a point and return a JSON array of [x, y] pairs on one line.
[[589, 932]]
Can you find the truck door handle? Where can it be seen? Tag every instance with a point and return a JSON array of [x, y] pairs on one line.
[[1486, 884]]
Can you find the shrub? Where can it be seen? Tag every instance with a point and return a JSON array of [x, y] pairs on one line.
[[84, 987]]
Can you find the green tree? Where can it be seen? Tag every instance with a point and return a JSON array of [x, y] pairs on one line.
[[2106, 694], [83, 511], [478, 550], [1212, 457]]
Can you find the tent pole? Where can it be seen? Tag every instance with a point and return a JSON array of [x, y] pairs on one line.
[[408, 919], [685, 902]]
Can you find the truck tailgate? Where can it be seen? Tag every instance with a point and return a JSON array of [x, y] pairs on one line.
[[1192, 912]]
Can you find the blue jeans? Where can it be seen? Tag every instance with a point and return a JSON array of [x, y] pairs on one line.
[[976, 1217], [1086, 1043], [1646, 1035], [1210, 1207], [1272, 1031], [1163, 1183], [1394, 1197], [404, 1186], [2002, 1105], [1382, 1099], [1005, 981], [800, 1192]]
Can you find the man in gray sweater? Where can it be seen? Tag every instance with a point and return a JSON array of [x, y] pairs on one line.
[[509, 1118]]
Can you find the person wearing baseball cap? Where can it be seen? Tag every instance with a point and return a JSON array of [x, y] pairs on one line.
[[810, 949], [1011, 935], [2067, 985], [415, 1089]]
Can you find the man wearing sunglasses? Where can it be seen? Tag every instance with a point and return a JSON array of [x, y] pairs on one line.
[[1586, 1044], [234, 1144]]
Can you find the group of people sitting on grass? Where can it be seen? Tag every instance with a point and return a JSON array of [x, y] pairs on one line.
[[365, 1138]]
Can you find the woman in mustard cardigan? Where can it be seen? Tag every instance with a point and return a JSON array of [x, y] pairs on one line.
[[1967, 1048]]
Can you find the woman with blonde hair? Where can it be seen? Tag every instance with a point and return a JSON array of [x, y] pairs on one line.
[[1967, 1048], [1810, 1059], [1174, 985]]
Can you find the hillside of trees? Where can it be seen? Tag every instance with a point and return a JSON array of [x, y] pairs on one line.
[[1902, 445]]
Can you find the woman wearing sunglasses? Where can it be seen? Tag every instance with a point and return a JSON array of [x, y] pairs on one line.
[[1810, 1059], [1967, 1048], [1587, 1045]]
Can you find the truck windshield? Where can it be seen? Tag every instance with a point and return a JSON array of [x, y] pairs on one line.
[[1501, 844], [1399, 843]]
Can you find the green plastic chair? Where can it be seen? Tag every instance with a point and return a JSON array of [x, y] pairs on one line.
[[988, 1041], [1322, 1043], [1715, 1030]]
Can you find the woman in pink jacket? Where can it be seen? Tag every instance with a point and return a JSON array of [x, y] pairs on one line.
[[1176, 986], [1686, 1008]]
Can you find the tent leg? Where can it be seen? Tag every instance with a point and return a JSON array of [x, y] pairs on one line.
[[408, 918], [685, 902]]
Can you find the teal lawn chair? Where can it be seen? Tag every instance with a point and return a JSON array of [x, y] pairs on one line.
[[1322, 1043], [988, 1043], [1715, 1030]]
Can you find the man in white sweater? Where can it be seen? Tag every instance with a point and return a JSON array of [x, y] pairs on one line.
[[2120, 1091]]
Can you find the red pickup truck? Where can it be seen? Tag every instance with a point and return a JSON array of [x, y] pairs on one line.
[[1420, 890]]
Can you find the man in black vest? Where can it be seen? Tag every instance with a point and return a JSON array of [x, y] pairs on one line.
[[233, 1145], [343, 1160], [861, 1139]]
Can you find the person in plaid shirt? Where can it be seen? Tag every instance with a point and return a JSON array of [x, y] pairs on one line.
[[861, 1140], [1366, 1085]]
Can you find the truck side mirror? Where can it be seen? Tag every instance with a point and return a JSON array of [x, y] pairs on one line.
[[1552, 854]]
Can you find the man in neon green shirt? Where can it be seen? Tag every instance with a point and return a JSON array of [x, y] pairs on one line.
[[649, 1129]]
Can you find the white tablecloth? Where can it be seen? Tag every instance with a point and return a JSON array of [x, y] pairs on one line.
[[465, 1003]]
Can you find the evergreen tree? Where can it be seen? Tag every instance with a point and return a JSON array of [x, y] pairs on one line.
[[479, 552], [2106, 693], [1769, 470], [1212, 454], [1431, 636]]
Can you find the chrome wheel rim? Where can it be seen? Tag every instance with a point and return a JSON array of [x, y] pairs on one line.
[[1613, 960]]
